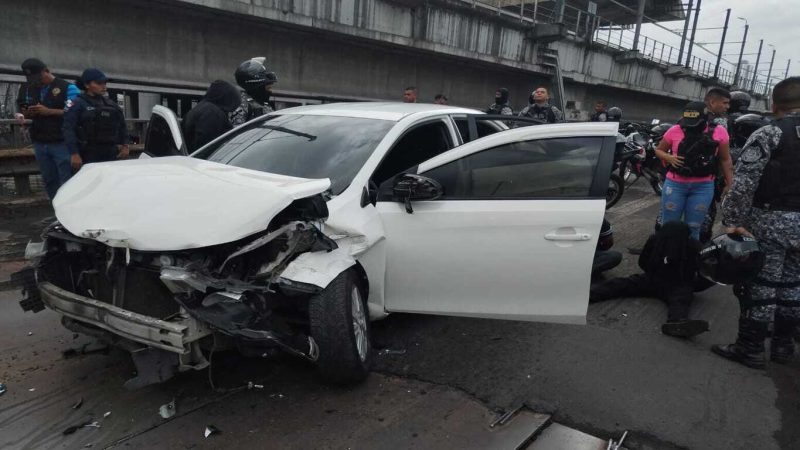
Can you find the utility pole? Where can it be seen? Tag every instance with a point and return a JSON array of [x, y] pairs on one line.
[[694, 30], [788, 63], [722, 42], [685, 31], [741, 54], [639, 17], [769, 74], [755, 69]]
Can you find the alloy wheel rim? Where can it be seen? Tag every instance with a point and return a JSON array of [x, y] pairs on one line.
[[359, 323]]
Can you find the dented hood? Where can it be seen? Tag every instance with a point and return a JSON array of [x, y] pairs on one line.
[[174, 203]]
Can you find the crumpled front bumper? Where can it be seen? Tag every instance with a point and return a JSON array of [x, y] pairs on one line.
[[173, 335]]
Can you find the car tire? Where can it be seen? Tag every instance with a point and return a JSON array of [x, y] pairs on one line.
[[340, 327], [616, 187]]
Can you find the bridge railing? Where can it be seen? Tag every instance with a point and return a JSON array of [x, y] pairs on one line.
[[583, 25], [14, 135]]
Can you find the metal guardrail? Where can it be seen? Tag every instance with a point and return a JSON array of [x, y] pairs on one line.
[[583, 25], [14, 135]]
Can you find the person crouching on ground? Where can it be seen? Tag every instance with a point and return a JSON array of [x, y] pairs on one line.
[[669, 262]]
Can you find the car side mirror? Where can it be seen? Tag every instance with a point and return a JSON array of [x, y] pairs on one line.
[[409, 187]]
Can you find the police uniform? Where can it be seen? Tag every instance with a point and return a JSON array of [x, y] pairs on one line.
[[502, 109], [601, 116], [94, 126], [249, 109], [48, 140], [765, 199], [544, 112]]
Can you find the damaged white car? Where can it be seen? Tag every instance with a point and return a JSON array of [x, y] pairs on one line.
[[295, 230]]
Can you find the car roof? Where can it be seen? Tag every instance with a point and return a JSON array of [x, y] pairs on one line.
[[393, 111]]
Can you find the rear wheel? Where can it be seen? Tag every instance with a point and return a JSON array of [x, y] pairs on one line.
[[341, 329], [615, 189]]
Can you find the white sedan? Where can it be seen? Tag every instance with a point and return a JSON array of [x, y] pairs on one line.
[[296, 229]]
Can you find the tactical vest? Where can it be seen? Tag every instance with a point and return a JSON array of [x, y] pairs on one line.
[[699, 154], [255, 109], [99, 124], [779, 188], [47, 129], [542, 112]]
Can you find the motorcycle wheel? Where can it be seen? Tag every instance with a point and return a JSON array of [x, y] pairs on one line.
[[616, 187]]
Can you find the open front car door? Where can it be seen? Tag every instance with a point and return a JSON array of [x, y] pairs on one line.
[[164, 137], [501, 227]]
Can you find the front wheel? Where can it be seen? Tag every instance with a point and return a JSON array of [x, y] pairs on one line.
[[616, 187], [341, 329]]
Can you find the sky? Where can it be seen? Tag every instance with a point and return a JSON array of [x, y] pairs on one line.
[[775, 21]]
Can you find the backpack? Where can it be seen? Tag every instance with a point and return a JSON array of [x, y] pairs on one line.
[[699, 152]]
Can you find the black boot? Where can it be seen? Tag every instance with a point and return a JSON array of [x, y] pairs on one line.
[[782, 346], [684, 328], [749, 346]]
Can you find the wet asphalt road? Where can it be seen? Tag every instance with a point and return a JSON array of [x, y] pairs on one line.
[[616, 373]]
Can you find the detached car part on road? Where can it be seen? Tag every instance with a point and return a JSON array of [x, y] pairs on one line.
[[295, 230]]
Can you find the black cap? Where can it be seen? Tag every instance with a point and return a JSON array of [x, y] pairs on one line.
[[90, 75], [693, 114], [33, 66]]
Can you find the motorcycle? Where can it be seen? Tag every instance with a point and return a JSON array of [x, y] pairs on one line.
[[643, 163], [616, 183]]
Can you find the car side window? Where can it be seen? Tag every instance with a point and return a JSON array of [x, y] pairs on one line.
[[420, 144], [547, 168], [484, 128]]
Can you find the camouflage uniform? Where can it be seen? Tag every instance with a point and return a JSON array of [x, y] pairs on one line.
[[545, 112], [503, 109], [775, 293], [250, 109]]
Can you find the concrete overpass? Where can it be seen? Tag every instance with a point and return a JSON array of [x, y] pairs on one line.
[[327, 50]]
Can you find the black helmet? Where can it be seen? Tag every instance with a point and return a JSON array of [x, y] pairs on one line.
[[731, 259], [660, 129], [740, 102], [253, 76], [614, 114]]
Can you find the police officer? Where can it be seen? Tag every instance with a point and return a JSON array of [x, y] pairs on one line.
[[765, 201], [600, 114], [43, 99], [500, 105], [257, 81], [540, 108], [94, 125]]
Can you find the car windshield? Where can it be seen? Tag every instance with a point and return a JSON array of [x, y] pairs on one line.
[[305, 146]]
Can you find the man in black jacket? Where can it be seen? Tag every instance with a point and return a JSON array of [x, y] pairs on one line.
[[43, 100], [210, 118]]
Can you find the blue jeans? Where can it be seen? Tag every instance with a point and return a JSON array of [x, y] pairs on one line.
[[54, 163], [688, 202]]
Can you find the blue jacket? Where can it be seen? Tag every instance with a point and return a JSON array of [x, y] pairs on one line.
[[79, 113]]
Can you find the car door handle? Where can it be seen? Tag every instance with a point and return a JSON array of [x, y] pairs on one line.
[[567, 237]]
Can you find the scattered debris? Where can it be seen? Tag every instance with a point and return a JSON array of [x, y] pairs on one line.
[[30, 333], [78, 404], [31, 389], [388, 351], [250, 385], [504, 418], [94, 424], [2, 389], [89, 445], [276, 396], [616, 445], [624, 314], [108, 413], [74, 428], [167, 410], [211, 429]]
